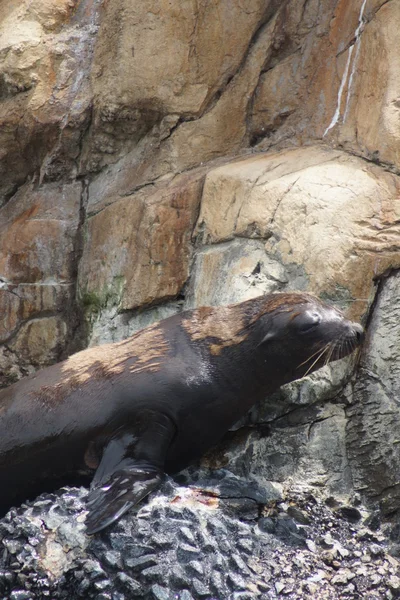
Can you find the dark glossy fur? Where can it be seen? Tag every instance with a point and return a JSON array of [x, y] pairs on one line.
[[161, 398]]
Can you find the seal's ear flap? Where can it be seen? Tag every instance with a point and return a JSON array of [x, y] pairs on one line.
[[268, 337], [131, 468]]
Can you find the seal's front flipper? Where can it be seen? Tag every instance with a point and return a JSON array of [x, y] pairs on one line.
[[131, 467], [125, 488]]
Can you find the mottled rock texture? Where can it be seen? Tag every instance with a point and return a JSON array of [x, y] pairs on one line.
[[156, 156], [230, 539], [373, 415]]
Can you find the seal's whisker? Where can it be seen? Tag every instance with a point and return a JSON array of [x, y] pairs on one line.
[[312, 356], [350, 345], [328, 356], [344, 349], [325, 349], [334, 344]]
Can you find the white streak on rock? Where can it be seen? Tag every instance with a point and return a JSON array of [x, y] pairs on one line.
[[357, 34]]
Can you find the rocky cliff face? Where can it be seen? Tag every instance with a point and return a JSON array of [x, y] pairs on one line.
[[163, 155]]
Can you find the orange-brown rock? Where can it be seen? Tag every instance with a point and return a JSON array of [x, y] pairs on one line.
[[38, 245], [124, 98], [45, 53], [137, 250], [371, 114], [153, 60]]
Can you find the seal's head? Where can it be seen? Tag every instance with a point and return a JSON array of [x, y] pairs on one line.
[[307, 333]]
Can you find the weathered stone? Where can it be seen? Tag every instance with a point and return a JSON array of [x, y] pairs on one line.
[[160, 593], [243, 270], [314, 451], [223, 484], [38, 241], [297, 96], [350, 513], [149, 560], [44, 93], [151, 62], [37, 234], [195, 568], [343, 576], [154, 231], [187, 535], [298, 515], [21, 302], [128, 583], [372, 430], [371, 113], [88, 574], [185, 595], [174, 145], [186, 553], [41, 341], [301, 202], [277, 96], [394, 583]]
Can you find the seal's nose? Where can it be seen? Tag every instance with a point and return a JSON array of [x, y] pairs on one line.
[[359, 333]]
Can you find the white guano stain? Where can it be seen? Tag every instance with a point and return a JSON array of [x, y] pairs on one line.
[[349, 62]]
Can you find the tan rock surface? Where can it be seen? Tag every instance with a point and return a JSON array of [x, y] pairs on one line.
[[40, 341], [45, 54], [38, 244], [21, 302], [37, 233], [137, 250], [155, 89], [235, 271], [336, 79], [331, 214], [154, 60], [178, 144], [296, 94], [372, 123], [186, 46]]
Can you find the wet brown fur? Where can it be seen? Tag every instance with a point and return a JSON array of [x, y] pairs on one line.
[[105, 362], [225, 326], [145, 351]]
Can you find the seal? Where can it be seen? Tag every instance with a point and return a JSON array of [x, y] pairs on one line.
[[133, 410]]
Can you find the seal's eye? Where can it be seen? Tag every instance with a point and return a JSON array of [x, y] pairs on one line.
[[308, 321]]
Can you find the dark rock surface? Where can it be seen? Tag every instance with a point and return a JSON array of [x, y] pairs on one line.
[[373, 415], [227, 539]]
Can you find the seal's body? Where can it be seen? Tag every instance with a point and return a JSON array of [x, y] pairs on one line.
[[154, 402]]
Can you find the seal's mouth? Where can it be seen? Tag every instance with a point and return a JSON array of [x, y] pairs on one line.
[[336, 348], [347, 343]]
